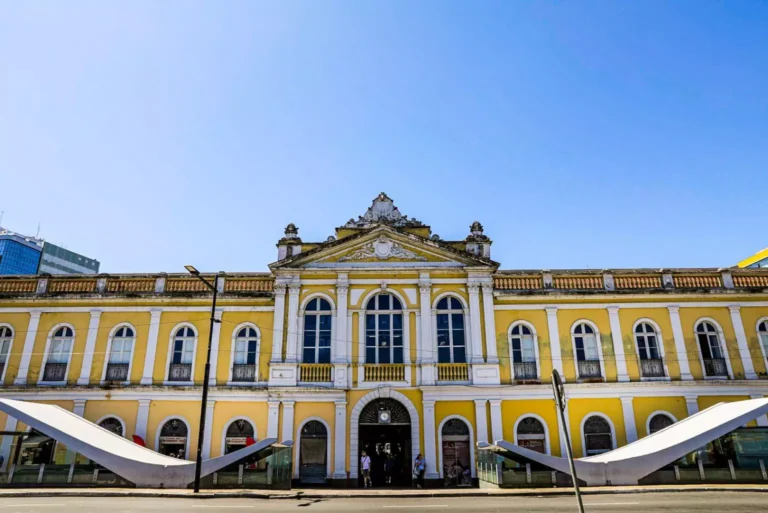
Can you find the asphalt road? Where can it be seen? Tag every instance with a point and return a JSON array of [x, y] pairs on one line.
[[646, 503]]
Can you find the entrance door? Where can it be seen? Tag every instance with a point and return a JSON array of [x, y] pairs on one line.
[[385, 436], [313, 453], [457, 469], [173, 439]]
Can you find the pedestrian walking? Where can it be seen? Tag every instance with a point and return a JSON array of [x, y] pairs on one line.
[[365, 464], [418, 471]]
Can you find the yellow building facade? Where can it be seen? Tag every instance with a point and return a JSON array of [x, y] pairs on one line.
[[388, 339]]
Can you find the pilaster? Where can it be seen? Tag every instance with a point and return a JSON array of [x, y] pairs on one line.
[[563, 450], [209, 406], [618, 346], [497, 428], [79, 407], [741, 340], [90, 347], [677, 333], [692, 404], [277, 331], [29, 346], [273, 419], [426, 346], [481, 420], [554, 340], [630, 426], [288, 411], [142, 417], [215, 343], [475, 336], [292, 337], [149, 359], [430, 455], [490, 322], [340, 441]]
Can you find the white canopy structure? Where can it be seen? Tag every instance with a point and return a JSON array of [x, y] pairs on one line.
[[627, 465], [143, 467]]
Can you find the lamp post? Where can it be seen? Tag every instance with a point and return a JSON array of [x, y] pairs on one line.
[[559, 390], [201, 432]]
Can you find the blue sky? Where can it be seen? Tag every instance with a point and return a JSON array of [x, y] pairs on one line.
[[592, 134]]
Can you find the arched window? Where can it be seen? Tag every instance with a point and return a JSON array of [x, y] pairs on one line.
[[531, 435], [762, 332], [238, 434], [120, 351], [598, 437], [6, 337], [457, 465], [651, 365], [58, 355], [711, 350], [587, 351], [523, 348], [173, 439], [451, 343], [384, 330], [317, 332], [313, 453], [246, 354], [183, 354], [112, 425], [659, 422]]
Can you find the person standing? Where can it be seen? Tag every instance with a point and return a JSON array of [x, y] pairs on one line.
[[418, 470], [365, 464], [389, 466]]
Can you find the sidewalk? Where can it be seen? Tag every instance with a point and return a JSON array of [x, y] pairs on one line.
[[357, 494]]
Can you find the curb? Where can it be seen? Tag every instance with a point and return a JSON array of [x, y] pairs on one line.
[[356, 495]]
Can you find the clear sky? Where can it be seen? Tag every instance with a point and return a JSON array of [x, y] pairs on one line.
[[582, 133]]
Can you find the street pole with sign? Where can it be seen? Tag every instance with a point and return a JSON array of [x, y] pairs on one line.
[[559, 389]]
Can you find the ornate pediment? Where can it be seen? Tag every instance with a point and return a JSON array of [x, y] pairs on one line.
[[382, 211], [383, 248]]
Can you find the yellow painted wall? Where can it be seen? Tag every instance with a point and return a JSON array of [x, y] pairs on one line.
[[645, 406], [19, 323], [125, 410], [750, 316]]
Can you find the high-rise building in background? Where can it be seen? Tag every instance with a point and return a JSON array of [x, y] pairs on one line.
[[20, 254]]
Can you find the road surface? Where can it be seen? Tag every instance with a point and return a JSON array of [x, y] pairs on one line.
[[731, 502]]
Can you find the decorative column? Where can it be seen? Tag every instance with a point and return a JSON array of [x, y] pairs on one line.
[[288, 411], [490, 322], [209, 405], [692, 404], [277, 325], [630, 426], [430, 456], [497, 428], [762, 420], [142, 417], [563, 451], [292, 338], [5, 446], [29, 347], [475, 336], [340, 342], [90, 348], [741, 340], [677, 333], [149, 358], [618, 346], [79, 407], [215, 346], [273, 419], [481, 421], [340, 441], [426, 346], [554, 340]]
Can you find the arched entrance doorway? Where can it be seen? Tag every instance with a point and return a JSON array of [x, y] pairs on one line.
[[385, 435], [531, 435], [173, 439], [313, 453], [457, 444]]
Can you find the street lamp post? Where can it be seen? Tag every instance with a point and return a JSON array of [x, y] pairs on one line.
[[201, 432], [559, 390]]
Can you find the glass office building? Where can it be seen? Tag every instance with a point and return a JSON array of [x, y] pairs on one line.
[[29, 255], [18, 255]]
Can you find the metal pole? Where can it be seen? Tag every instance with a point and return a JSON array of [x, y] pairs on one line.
[[206, 375], [559, 389]]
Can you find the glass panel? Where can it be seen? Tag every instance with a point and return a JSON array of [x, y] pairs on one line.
[[309, 355], [370, 322], [444, 354], [714, 344], [442, 338], [384, 302], [458, 338], [457, 320], [384, 321], [529, 354], [590, 349], [325, 322], [309, 339], [397, 354], [653, 348], [459, 354], [442, 304], [704, 345], [324, 355], [384, 355], [310, 322], [325, 339], [397, 321], [325, 306], [312, 305], [396, 304], [370, 354], [397, 339]]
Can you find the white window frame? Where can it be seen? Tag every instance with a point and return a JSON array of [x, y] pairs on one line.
[[598, 342], [660, 345], [117, 418], [391, 313], [721, 341], [535, 347], [46, 355], [463, 311], [760, 335], [543, 423], [10, 348], [169, 360], [584, 435], [111, 338], [652, 415], [303, 313], [232, 348]]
